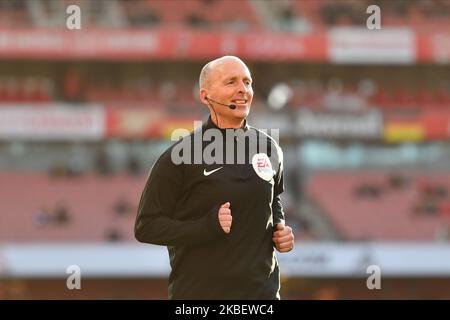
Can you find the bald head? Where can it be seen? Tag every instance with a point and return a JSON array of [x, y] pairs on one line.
[[208, 69]]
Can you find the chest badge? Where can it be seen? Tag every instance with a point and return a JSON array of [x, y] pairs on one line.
[[262, 166]]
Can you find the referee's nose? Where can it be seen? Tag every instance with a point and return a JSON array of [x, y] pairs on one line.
[[242, 87]]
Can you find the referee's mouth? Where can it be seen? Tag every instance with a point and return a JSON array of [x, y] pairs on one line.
[[240, 102]]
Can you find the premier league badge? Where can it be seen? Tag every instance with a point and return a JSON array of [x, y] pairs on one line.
[[262, 166]]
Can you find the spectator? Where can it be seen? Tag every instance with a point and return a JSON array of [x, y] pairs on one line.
[[122, 207], [398, 181], [42, 217], [102, 163], [72, 86], [114, 235], [196, 20], [30, 90], [12, 90], [368, 191], [134, 166], [61, 215], [2, 90], [140, 14], [46, 89], [429, 207]]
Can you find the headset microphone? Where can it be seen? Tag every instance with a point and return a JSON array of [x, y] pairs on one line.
[[231, 106]]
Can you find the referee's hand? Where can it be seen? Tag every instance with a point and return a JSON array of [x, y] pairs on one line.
[[225, 217], [283, 238]]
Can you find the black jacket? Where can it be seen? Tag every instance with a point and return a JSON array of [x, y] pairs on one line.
[[179, 208]]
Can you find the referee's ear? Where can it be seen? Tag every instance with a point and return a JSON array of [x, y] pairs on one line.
[[203, 96]]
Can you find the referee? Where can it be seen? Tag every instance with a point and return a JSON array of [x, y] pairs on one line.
[[219, 212]]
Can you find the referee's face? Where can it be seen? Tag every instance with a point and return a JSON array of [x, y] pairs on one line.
[[231, 83]]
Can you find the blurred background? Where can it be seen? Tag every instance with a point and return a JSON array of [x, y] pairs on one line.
[[364, 124]]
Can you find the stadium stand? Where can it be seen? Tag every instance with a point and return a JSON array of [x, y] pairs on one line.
[[157, 85], [89, 208], [369, 206]]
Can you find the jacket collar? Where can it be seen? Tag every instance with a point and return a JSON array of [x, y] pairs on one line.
[[211, 125]]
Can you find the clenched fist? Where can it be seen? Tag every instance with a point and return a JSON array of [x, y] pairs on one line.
[[225, 217], [283, 238]]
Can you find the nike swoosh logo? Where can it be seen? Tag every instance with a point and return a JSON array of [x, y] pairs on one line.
[[207, 173]]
